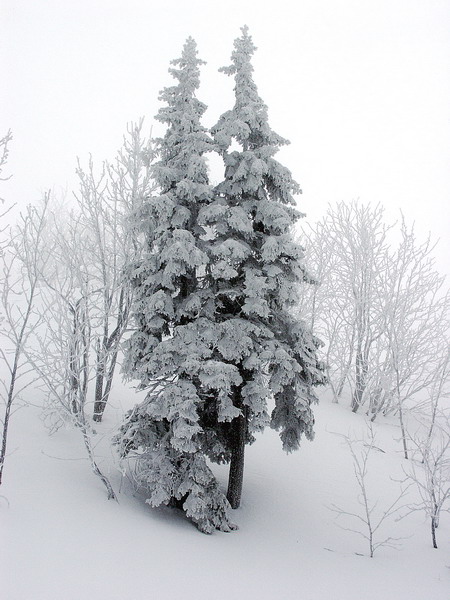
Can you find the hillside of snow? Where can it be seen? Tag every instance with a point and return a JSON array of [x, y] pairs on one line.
[[63, 540]]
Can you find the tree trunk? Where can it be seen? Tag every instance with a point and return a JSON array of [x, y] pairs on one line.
[[6, 419], [107, 359], [360, 381], [402, 426], [433, 531], [94, 466], [102, 356], [100, 403], [238, 437], [99, 400], [376, 404], [236, 476], [355, 402], [345, 372]]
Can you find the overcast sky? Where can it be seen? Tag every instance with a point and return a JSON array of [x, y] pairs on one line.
[[361, 88]]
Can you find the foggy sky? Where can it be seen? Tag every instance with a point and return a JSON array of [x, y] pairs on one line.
[[361, 88]]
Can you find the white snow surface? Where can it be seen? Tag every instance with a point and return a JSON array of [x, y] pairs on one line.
[[61, 539]]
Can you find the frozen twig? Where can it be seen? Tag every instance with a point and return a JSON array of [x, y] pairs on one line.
[[369, 517]]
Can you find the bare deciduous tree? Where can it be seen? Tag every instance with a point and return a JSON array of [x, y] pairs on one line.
[[78, 266], [58, 349], [349, 247], [21, 263], [429, 470], [370, 517], [106, 203], [383, 313], [416, 322]]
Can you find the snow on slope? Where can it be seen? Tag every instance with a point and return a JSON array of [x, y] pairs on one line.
[[62, 540]]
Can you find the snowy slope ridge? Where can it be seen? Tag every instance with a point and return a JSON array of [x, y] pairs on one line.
[[61, 538]]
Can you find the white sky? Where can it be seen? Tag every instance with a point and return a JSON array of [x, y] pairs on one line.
[[360, 87]]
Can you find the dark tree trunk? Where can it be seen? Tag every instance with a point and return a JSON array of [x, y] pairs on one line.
[[238, 438], [236, 476], [102, 358], [433, 531], [107, 352], [100, 400], [100, 405]]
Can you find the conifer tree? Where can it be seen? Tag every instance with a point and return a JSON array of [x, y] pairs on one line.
[[215, 337], [255, 269], [171, 351]]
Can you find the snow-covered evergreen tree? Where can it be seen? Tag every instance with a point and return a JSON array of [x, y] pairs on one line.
[[172, 350], [255, 269], [215, 338]]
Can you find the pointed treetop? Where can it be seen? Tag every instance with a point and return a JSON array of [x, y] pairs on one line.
[[189, 54], [182, 111], [242, 53], [247, 122], [188, 72]]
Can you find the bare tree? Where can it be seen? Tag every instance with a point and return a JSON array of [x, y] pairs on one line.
[[429, 470], [78, 267], [438, 391], [315, 307], [347, 252], [21, 263], [370, 516], [382, 312], [416, 321], [58, 349], [106, 203]]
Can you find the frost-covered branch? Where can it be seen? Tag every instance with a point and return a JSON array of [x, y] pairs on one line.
[[370, 516], [429, 470], [4, 153], [382, 310], [108, 203], [21, 261], [57, 346]]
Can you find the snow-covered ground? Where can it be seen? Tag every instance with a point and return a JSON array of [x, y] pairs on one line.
[[61, 539]]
